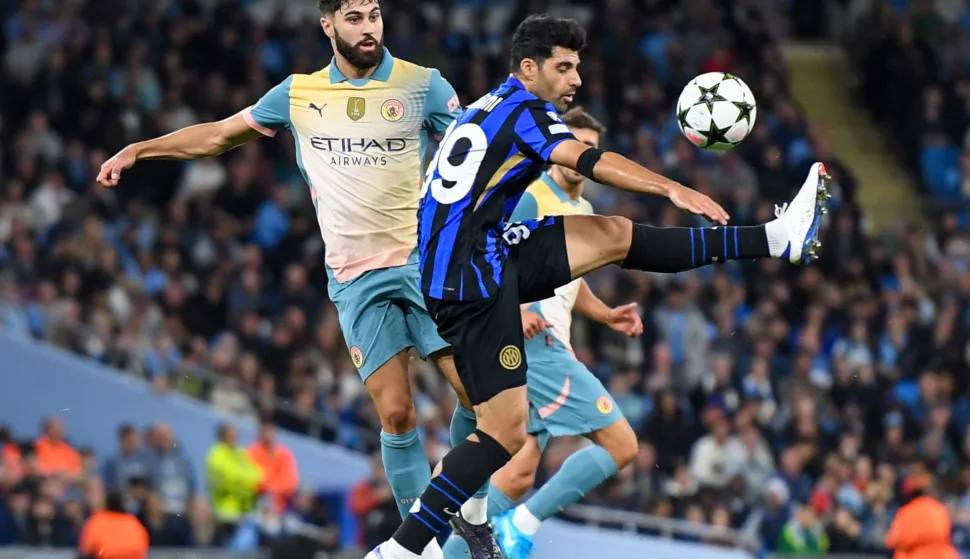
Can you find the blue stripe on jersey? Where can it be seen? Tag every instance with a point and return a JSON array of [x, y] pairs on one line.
[[492, 256], [425, 227], [478, 274], [442, 256]]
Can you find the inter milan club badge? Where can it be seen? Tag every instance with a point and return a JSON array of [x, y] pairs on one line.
[[392, 110]]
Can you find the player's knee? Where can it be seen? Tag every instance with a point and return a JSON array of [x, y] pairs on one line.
[[511, 432], [616, 232], [624, 448], [520, 480], [397, 416]]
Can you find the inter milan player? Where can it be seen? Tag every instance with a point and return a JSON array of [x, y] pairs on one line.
[[565, 398], [475, 271], [361, 127]]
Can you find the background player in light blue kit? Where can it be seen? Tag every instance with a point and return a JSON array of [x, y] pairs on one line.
[[565, 398]]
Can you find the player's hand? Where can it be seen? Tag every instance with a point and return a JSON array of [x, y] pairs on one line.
[[533, 324], [111, 170], [626, 319], [700, 204]]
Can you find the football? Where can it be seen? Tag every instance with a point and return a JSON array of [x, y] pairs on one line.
[[716, 111]]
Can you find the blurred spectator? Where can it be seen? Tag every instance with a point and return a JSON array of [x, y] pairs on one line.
[[922, 527], [131, 461], [54, 454], [113, 534], [280, 476], [170, 473], [233, 481], [804, 534], [372, 502], [164, 530], [15, 516]]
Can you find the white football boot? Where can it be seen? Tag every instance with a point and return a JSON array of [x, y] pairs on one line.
[[802, 217]]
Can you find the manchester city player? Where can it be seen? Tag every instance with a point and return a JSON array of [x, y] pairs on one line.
[[361, 126], [565, 398], [475, 273]]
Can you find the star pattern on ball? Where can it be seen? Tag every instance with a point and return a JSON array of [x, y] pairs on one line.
[[709, 95], [717, 135], [745, 109], [682, 118]]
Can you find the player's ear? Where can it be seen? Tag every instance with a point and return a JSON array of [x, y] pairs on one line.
[[327, 24], [528, 68]]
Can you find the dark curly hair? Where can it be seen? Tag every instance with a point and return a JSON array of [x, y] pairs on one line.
[[330, 7], [537, 35]]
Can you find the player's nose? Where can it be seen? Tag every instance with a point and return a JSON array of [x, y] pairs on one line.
[[575, 81]]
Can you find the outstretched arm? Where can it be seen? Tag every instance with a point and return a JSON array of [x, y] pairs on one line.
[[615, 170], [623, 319], [194, 142], [265, 118]]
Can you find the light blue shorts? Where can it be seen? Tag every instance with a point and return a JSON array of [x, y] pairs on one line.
[[382, 313], [565, 398]]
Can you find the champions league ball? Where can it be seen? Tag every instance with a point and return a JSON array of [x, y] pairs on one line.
[[716, 111]]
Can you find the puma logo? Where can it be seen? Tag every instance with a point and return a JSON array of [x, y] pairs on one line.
[[450, 513], [318, 109]]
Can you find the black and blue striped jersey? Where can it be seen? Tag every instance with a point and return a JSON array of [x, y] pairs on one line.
[[486, 159]]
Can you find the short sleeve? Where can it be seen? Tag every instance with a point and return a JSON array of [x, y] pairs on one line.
[[441, 107], [272, 112], [540, 129], [526, 209]]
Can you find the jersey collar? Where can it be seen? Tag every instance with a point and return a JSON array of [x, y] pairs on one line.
[[558, 191], [514, 82], [381, 74]]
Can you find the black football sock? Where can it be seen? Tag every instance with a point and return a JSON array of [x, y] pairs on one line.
[[675, 249], [463, 471]]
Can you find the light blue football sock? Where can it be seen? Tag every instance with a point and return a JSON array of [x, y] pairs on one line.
[[456, 548], [580, 473], [498, 502], [463, 423], [407, 467]]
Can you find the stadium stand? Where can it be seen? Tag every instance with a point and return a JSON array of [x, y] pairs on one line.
[[779, 410]]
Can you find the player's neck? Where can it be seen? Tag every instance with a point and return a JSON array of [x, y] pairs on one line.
[[574, 192], [352, 72]]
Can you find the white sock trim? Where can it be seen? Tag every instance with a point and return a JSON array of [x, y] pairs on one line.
[[777, 234], [475, 510], [526, 521], [393, 550]]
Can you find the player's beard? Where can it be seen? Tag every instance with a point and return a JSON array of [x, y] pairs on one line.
[[356, 57]]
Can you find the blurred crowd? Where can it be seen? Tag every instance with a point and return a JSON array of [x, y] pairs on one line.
[[794, 401], [56, 495], [914, 53]]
